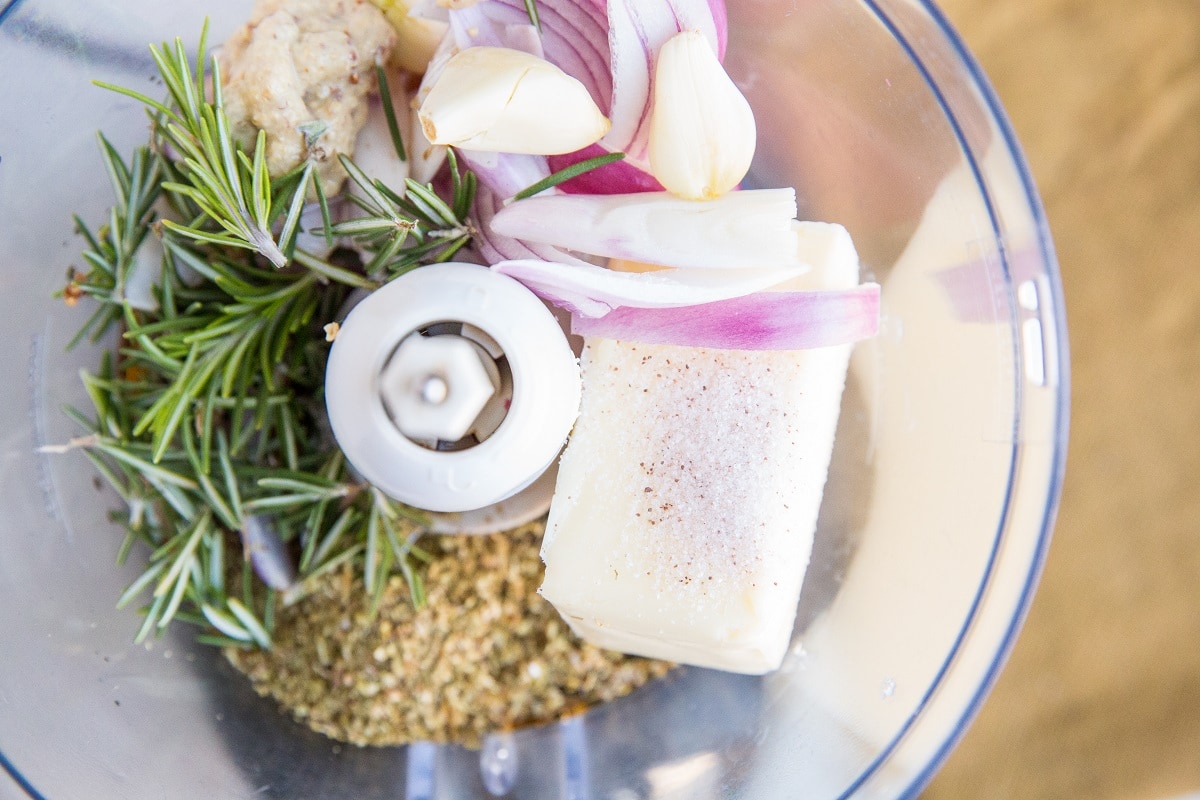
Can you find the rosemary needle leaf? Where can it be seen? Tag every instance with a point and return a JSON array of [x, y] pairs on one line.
[[456, 185], [152, 615], [371, 563], [321, 553], [218, 503], [320, 489], [145, 467], [389, 111], [301, 588], [334, 273], [225, 623], [249, 622], [386, 560], [452, 248], [326, 220], [434, 208], [181, 586], [269, 611], [142, 581], [227, 471], [174, 497], [283, 187], [462, 187], [221, 641], [288, 428], [416, 585], [382, 260], [260, 183], [176, 572], [365, 225], [208, 238], [141, 98], [201, 49], [567, 173], [532, 11], [216, 561], [118, 172], [291, 223], [383, 206], [82, 229]]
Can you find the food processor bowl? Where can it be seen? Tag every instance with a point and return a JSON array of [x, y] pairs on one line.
[[937, 514]]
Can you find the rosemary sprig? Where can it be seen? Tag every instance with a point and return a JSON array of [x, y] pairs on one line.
[[231, 190], [263, 455], [208, 419], [402, 231], [112, 249]]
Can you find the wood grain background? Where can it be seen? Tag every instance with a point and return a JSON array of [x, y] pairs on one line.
[[1101, 698]]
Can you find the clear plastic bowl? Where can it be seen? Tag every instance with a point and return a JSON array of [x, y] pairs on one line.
[[937, 516]]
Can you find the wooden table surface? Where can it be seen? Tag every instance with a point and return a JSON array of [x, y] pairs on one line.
[[1101, 698]]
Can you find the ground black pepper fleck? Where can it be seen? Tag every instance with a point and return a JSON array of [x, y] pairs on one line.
[[486, 653]]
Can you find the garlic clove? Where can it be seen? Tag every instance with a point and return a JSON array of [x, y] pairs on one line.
[[500, 100], [702, 131], [417, 37], [425, 158]]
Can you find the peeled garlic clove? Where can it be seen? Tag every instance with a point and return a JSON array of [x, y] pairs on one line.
[[501, 100], [701, 127], [417, 37], [425, 158]]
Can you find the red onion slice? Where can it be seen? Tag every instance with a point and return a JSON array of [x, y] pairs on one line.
[[524, 37], [505, 174], [739, 228], [620, 177], [636, 31], [574, 38], [493, 247], [593, 291], [472, 28], [762, 321], [720, 17], [570, 33]]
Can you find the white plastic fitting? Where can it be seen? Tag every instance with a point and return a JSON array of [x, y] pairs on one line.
[[388, 358], [434, 387]]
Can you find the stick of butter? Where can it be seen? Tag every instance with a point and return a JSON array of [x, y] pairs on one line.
[[683, 518]]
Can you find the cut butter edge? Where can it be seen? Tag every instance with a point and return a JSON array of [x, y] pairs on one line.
[[687, 498]]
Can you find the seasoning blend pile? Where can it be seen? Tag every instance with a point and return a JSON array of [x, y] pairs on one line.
[[485, 653], [588, 157]]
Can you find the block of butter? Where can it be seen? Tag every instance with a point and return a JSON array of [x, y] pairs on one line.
[[683, 518]]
